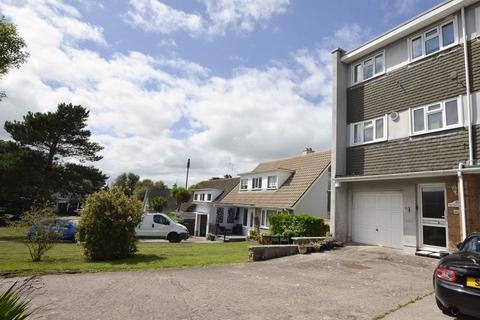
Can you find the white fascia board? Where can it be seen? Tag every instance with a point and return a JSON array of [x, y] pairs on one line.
[[417, 23], [393, 176]]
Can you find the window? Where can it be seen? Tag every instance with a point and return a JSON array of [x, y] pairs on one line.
[[243, 184], [369, 68], [471, 245], [433, 40], [202, 197], [195, 196], [263, 218], [435, 117], [231, 215], [357, 73], [219, 215], [245, 217], [160, 219], [368, 131], [272, 182], [209, 197], [257, 183]]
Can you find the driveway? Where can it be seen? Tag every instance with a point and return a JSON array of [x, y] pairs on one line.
[[355, 282]]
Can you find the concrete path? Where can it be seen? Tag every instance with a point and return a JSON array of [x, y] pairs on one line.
[[356, 282]]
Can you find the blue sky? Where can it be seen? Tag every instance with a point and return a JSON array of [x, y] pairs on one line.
[[222, 82]]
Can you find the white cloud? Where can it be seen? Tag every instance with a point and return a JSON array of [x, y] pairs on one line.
[[348, 37], [220, 16], [153, 15], [135, 101], [398, 7]]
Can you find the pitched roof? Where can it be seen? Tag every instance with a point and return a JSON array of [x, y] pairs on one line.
[[306, 169], [225, 185]]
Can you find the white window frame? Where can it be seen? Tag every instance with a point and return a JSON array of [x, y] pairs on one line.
[[422, 36], [209, 197], [195, 196], [273, 185], [444, 116], [264, 218], [362, 126], [202, 197], [254, 187], [362, 63], [243, 186]]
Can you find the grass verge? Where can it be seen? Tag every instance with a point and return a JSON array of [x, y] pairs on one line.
[[69, 258]]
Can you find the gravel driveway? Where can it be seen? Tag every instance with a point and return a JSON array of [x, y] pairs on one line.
[[355, 282]]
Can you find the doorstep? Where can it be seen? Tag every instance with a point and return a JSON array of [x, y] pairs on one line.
[[431, 254]]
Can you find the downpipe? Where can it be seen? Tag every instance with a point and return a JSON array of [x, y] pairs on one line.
[[461, 192], [467, 88]]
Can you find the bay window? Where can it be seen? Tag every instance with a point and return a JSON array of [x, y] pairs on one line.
[[368, 131], [437, 116]]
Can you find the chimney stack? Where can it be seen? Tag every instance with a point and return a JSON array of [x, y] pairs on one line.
[[307, 150]]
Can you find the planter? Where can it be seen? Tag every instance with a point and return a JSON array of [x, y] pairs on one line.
[[302, 249]]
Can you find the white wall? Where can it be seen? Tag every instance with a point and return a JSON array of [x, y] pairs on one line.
[[314, 201]]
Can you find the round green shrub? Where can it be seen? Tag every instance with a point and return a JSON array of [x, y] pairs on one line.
[[107, 225]]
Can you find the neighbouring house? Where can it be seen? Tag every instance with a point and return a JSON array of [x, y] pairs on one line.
[[298, 184], [205, 198], [154, 192], [406, 133]]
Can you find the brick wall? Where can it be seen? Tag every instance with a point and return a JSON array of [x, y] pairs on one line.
[[471, 183], [453, 219]]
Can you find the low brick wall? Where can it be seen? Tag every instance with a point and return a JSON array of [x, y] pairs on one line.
[[259, 253]]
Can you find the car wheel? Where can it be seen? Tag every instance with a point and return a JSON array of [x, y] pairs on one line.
[[173, 237], [443, 308]]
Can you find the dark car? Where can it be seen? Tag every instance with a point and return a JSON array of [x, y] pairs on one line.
[[457, 279], [57, 229]]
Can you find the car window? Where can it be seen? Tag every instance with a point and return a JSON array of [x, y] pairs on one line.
[[160, 219], [471, 245]]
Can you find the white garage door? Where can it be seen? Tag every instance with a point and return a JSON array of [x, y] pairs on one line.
[[377, 218]]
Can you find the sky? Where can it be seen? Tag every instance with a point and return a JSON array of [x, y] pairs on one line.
[[226, 83]]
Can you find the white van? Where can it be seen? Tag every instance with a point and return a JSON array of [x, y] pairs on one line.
[[159, 225]]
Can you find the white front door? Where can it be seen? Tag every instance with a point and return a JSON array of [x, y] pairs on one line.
[[432, 210], [377, 218]]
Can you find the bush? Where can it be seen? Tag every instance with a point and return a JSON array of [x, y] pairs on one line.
[[298, 225], [42, 232], [107, 225], [13, 303], [157, 204]]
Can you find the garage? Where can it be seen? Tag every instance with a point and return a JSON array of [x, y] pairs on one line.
[[377, 218]]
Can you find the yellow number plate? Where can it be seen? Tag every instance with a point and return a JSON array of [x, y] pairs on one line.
[[473, 282]]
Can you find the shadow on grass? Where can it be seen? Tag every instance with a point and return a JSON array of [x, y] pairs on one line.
[[133, 260]]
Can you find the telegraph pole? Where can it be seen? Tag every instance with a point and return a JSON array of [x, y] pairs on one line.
[[188, 169]]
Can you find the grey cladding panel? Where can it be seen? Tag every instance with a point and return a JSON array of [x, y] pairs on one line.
[[427, 81], [424, 153]]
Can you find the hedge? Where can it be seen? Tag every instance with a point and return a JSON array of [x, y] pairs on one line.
[[298, 225]]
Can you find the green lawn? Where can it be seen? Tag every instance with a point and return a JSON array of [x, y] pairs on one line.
[[12, 234], [68, 257]]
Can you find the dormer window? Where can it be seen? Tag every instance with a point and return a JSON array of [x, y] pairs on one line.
[[202, 197], [209, 197], [433, 40], [243, 184], [257, 183], [272, 182], [195, 196]]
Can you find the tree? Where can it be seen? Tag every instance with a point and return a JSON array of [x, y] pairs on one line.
[[181, 195], [56, 138], [107, 225], [127, 181], [157, 204], [12, 49]]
